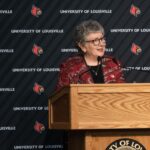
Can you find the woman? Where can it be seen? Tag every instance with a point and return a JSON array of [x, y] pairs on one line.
[[92, 66]]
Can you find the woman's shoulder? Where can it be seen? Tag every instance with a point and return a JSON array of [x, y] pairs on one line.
[[73, 60], [110, 59]]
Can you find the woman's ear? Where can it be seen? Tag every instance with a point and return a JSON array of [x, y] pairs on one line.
[[82, 47]]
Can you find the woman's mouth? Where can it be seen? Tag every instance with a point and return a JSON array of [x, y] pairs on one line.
[[100, 49]]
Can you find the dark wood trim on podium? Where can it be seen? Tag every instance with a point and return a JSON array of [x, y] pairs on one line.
[[96, 115]]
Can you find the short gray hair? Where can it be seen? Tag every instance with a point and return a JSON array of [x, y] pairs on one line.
[[84, 28]]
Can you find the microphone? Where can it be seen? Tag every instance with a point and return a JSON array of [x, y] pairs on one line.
[[99, 59]]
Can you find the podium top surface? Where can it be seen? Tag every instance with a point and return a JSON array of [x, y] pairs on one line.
[[112, 87], [101, 106]]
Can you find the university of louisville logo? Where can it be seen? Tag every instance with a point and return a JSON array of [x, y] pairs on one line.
[[37, 50], [35, 11], [39, 127], [135, 11], [38, 88], [136, 49], [125, 144]]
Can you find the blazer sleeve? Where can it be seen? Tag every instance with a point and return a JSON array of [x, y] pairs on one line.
[[112, 71], [63, 77], [119, 73]]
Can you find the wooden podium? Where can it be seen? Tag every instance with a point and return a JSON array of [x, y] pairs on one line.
[[103, 116]]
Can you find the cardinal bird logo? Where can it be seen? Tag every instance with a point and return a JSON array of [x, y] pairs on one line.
[[38, 88], [135, 11], [39, 127], [35, 11], [37, 50], [136, 49]]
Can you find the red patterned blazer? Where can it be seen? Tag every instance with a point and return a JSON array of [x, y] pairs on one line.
[[75, 70]]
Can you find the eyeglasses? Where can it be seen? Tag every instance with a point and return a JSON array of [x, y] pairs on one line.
[[97, 41]]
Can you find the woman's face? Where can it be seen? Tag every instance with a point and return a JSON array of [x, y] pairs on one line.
[[94, 44]]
